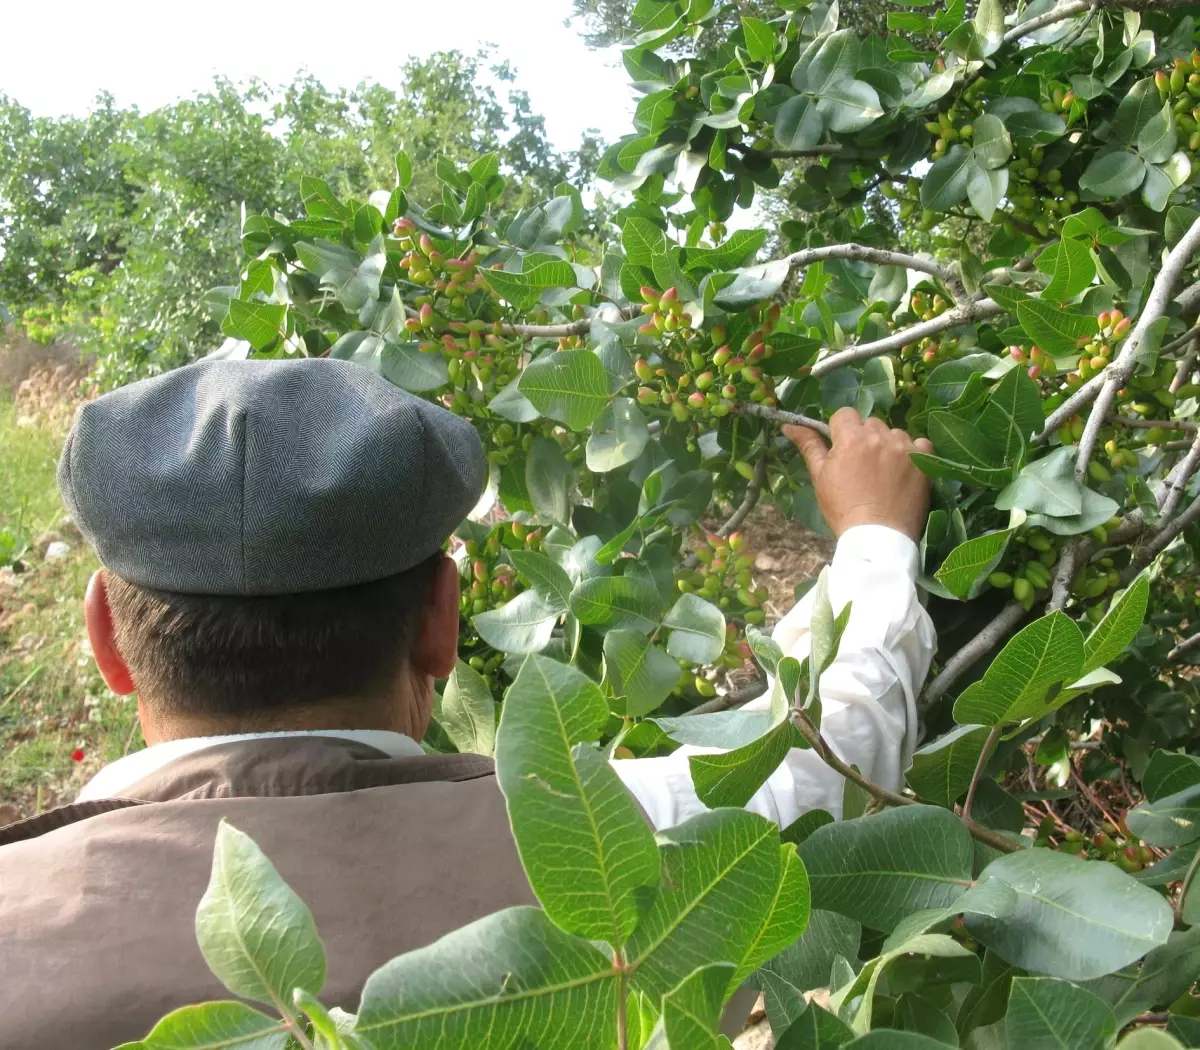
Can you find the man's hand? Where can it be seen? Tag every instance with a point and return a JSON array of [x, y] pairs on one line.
[[867, 477]]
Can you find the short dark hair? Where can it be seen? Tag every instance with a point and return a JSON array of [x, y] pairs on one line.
[[202, 654]]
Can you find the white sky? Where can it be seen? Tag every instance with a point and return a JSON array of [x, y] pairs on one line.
[[58, 54]]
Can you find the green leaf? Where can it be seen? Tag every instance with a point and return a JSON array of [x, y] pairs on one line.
[[945, 185], [1113, 175], [765, 649], [256, 935], [585, 845], [1166, 973], [1012, 415], [642, 241], [617, 601], [215, 1026], [937, 467], [404, 170], [752, 284], [1119, 626], [880, 868], [1172, 820], [991, 141], [512, 979], [549, 580], [1051, 327], [799, 124], [817, 1029], [720, 871], [1046, 486], [618, 437], [1074, 270], [639, 671], [961, 441], [947, 382], [691, 1011], [514, 406], [894, 1039], [836, 60], [523, 625], [724, 729], [760, 39], [941, 770], [732, 777], [1015, 686], [260, 324], [697, 630], [989, 26], [849, 105], [1169, 772], [548, 480], [468, 712], [986, 188], [968, 565], [805, 965], [569, 386], [1073, 918], [783, 923], [524, 289], [1156, 141], [1149, 1039], [404, 365], [1045, 1013]]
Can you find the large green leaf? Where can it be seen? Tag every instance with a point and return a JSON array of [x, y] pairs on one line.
[[784, 922], [585, 845], [618, 437], [878, 869], [1012, 415], [816, 1029], [1156, 141], [1110, 636], [1173, 820], [732, 777], [406, 366], [991, 142], [961, 441], [1015, 686], [1113, 174], [638, 670], [799, 124], [256, 935], [1045, 1013], [1051, 327], [1169, 772], [524, 289], [467, 712], [805, 965], [548, 481], [941, 770], [1073, 918], [723, 729], [720, 875], [642, 241], [260, 324], [968, 565], [945, 184], [1046, 486], [986, 188], [549, 580], [617, 601], [1166, 973], [569, 386], [523, 625], [512, 979], [1072, 269], [697, 630], [215, 1026], [836, 60], [691, 1011], [849, 105]]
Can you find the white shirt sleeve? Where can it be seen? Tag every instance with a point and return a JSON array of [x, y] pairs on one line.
[[868, 693]]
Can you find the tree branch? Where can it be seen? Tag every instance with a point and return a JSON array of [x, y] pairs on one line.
[[733, 699], [957, 665], [885, 795], [1150, 424], [1182, 647], [1117, 374], [1186, 363], [1069, 408], [778, 415], [1079, 7], [1177, 481], [753, 491], [548, 331], [875, 256], [965, 314], [1159, 542]]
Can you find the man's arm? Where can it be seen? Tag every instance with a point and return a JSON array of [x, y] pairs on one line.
[[875, 501]]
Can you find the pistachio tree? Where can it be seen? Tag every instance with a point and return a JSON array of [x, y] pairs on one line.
[[993, 244]]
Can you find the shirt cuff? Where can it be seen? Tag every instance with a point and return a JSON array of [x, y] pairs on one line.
[[878, 545]]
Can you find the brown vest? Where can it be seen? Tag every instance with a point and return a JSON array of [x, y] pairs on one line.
[[97, 900]]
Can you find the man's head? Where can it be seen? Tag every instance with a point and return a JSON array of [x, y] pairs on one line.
[[272, 537]]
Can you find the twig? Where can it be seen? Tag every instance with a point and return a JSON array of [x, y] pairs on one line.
[[891, 798], [1177, 482], [1091, 795], [1117, 374], [1069, 408], [1178, 342], [1182, 647], [1150, 424], [984, 755], [729, 701], [965, 314], [1073, 555], [1184, 368], [547, 331], [1081, 28], [1079, 7], [1159, 542], [985, 640], [777, 415]]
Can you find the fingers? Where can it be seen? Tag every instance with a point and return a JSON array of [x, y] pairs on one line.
[[844, 424], [924, 445], [811, 445]]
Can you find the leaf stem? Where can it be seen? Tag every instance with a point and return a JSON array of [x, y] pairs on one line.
[[885, 795], [778, 415], [989, 745]]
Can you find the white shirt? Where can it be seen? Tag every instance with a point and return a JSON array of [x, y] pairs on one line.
[[868, 699]]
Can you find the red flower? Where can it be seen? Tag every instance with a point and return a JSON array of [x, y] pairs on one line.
[[77, 755]]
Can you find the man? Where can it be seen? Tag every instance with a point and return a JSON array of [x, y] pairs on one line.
[[275, 592]]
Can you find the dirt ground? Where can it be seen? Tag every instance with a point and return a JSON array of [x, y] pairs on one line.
[[786, 554]]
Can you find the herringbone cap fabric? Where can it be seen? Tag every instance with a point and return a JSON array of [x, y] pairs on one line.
[[267, 477]]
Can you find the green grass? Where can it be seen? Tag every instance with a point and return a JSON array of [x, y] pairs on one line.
[[52, 699]]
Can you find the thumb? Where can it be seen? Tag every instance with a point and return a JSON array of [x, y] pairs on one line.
[[811, 445]]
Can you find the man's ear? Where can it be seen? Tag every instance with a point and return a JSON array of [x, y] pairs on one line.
[[98, 617], [435, 649]]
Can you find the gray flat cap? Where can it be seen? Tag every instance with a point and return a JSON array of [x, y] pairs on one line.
[[267, 477]]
